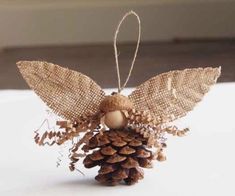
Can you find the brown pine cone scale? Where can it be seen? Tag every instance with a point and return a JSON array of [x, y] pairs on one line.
[[120, 155]]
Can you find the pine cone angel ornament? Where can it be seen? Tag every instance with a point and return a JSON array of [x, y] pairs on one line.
[[119, 134]]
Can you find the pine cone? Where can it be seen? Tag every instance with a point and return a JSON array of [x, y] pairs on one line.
[[120, 155]]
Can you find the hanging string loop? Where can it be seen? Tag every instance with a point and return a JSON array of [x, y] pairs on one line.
[[120, 88]]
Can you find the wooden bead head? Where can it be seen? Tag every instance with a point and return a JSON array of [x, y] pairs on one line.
[[112, 106]]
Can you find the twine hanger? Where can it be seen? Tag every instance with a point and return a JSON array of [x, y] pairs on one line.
[[120, 88]]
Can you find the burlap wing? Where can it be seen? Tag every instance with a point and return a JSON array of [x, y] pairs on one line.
[[68, 93], [174, 93]]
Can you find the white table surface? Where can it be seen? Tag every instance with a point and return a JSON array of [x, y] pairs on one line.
[[203, 163]]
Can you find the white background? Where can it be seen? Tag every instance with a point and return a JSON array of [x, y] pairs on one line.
[[200, 164]]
